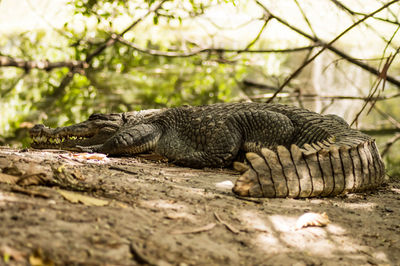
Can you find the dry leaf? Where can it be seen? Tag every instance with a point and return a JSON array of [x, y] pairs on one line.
[[90, 156], [9, 179], [37, 258], [312, 219], [79, 198]]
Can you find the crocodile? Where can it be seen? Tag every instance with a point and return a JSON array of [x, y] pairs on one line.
[[288, 151]]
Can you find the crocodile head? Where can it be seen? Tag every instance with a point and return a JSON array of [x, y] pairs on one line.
[[96, 130]]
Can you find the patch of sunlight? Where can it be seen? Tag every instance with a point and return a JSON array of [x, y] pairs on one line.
[[279, 236], [350, 205], [360, 206], [254, 221], [6, 198], [32, 14], [380, 255]]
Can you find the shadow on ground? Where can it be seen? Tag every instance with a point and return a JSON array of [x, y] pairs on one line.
[[60, 208]]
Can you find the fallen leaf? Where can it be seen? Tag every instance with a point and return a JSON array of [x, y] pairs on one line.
[[9, 179], [312, 219], [75, 197], [90, 156], [37, 258]]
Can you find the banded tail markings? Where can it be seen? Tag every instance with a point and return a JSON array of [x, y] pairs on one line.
[[364, 166], [327, 172], [357, 166], [247, 184], [289, 170], [304, 172], [308, 149], [338, 171], [348, 167], [305, 181], [264, 174], [371, 168], [315, 174], [379, 162], [278, 177]]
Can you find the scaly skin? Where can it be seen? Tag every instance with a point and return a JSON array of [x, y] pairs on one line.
[[292, 152]]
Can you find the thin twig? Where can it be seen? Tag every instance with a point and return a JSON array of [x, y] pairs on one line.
[[305, 18], [390, 118], [107, 43], [112, 39], [390, 143], [328, 46], [381, 77], [322, 97], [258, 35], [7, 61], [351, 12], [227, 225]]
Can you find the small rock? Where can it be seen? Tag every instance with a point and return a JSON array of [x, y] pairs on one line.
[[227, 184], [388, 209]]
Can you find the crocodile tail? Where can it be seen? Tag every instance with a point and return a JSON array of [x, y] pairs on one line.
[[318, 170]]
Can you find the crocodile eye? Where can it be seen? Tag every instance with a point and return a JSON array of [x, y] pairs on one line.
[[95, 116]]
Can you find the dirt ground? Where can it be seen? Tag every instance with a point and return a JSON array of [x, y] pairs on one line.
[[59, 208]]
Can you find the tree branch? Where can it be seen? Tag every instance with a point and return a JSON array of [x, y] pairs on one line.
[[112, 39], [322, 97], [207, 50], [107, 43], [329, 45], [7, 61], [351, 12], [390, 143]]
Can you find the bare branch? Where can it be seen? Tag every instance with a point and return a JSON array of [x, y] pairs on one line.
[[390, 143], [7, 61], [208, 50], [259, 34], [351, 12], [112, 39], [390, 118], [107, 43], [323, 97], [305, 17], [381, 78], [329, 45]]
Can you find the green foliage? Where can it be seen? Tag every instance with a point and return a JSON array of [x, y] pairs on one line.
[[118, 79]]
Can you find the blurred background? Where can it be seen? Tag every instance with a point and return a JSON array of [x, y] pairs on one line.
[[62, 60]]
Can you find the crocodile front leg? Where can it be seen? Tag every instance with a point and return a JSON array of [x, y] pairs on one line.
[[132, 140]]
